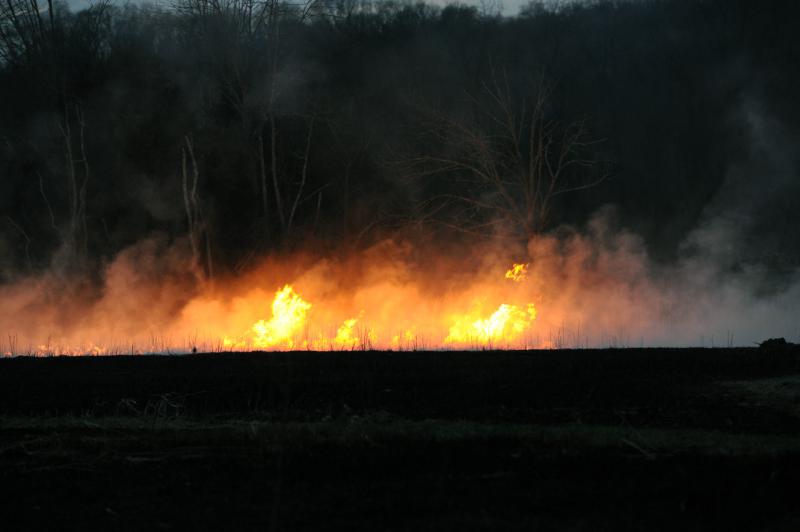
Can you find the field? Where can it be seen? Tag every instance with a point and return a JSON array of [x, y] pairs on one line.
[[632, 439]]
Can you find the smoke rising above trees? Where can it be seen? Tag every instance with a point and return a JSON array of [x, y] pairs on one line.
[[643, 152]]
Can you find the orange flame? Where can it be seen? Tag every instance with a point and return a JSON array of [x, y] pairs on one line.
[[506, 324], [390, 296], [518, 272], [290, 319], [289, 312]]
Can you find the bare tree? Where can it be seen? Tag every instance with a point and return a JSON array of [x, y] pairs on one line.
[[258, 25], [290, 187], [352, 152], [22, 32], [78, 172], [196, 221], [303, 174], [508, 161], [26, 37], [275, 11], [27, 239]]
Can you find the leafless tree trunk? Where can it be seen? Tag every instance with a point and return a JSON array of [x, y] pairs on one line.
[[53, 225], [24, 34], [197, 226], [75, 237], [27, 238], [18, 28], [303, 174], [350, 157], [273, 152], [253, 22], [316, 213], [273, 20], [262, 167]]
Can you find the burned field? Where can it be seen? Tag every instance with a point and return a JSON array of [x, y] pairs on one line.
[[645, 439]]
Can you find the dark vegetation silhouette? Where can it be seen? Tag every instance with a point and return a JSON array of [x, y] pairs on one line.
[[253, 126]]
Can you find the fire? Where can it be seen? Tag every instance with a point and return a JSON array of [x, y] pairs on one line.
[[344, 336], [289, 312], [290, 317], [350, 337], [378, 301], [408, 340], [507, 323], [518, 272], [572, 292]]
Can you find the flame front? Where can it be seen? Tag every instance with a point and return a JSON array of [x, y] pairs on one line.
[[506, 324], [572, 292], [289, 321], [289, 312], [369, 303], [377, 319]]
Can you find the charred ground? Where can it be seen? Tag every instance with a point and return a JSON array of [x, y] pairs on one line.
[[594, 439]]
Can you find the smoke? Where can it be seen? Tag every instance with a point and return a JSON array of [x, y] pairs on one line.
[[591, 288], [738, 265], [131, 304], [593, 284]]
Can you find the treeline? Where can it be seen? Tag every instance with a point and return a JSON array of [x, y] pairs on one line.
[[257, 125]]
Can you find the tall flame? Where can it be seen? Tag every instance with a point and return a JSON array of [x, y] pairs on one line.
[[505, 324], [287, 328], [289, 312]]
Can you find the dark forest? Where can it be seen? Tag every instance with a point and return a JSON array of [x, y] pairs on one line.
[[252, 127]]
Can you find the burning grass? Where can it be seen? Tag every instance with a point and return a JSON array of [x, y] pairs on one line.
[[592, 290], [376, 301]]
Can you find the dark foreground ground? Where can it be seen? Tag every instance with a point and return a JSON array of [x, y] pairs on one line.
[[694, 439]]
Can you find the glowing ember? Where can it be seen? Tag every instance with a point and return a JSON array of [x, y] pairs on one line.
[[518, 272]]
